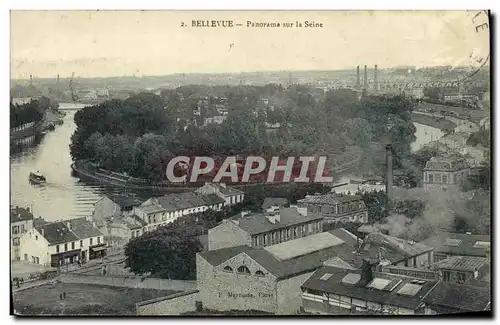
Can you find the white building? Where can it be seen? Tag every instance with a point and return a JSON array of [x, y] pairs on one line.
[[60, 243], [21, 221], [230, 195]]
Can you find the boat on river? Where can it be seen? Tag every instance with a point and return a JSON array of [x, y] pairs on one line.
[[37, 178]]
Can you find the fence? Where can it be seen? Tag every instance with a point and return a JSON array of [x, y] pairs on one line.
[[129, 282]]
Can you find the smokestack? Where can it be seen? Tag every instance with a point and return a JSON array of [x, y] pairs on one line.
[[366, 273], [376, 78], [365, 85], [357, 78], [388, 183], [31, 80]]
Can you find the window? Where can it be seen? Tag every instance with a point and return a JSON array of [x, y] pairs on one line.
[[264, 239], [445, 179], [438, 178], [243, 270], [57, 248], [15, 241], [294, 231], [228, 269], [91, 241], [73, 245], [98, 240], [455, 180], [259, 273], [254, 241], [288, 232], [36, 237], [66, 247], [446, 276], [431, 179], [23, 230], [15, 230], [81, 243], [461, 277]]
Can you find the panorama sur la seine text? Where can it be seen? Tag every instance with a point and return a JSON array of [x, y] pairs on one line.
[[254, 24]]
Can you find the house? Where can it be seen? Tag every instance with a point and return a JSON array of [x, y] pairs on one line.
[[449, 298], [124, 228], [229, 194], [113, 205], [445, 172], [161, 210], [461, 269], [274, 202], [62, 242], [451, 244], [92, 242], [276, 225], [263, 278], [339, 291], [337, 207], [21, 221], [399, 252]]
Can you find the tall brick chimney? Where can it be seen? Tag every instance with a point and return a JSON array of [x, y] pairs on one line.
[[389, 176], [376, 79], [358, 84], [365, 84]]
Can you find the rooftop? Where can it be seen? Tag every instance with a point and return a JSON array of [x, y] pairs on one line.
[[459, 244], [450, 162], [330, 199], [460, 296], [56, 233], [282, 268], [180, 201], [303, 246], [462, 263], [18, 214], [256, 223], [225, 190], [83, 228], [384, 288], [395, 245], [274, 201], [124, 201]]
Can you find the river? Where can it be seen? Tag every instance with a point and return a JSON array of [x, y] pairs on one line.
[[64, 196]]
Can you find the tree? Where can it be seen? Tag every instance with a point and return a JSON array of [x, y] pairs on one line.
[[359, 131]]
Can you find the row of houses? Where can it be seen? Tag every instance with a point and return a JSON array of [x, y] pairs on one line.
[[54, 244], [122, 217]]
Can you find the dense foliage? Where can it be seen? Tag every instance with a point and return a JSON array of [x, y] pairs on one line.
[[481, 137], [138, 136], [29, 112]]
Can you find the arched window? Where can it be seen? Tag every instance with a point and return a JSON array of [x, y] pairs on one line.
[[243, 269], [228, 269], [259, 273]]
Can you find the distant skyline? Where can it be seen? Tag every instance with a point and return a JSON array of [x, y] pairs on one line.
[[153, 43]]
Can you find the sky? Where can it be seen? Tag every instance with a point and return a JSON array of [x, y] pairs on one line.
[[118, 43]]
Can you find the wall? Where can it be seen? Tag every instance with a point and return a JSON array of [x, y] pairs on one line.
[[425, 134], [104, 208], [227, 234], [175, 304], [32, 246], [219, 290], [290, 294], [129, 282]]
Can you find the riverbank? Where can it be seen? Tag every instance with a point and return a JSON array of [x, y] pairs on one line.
[[436, 122]]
